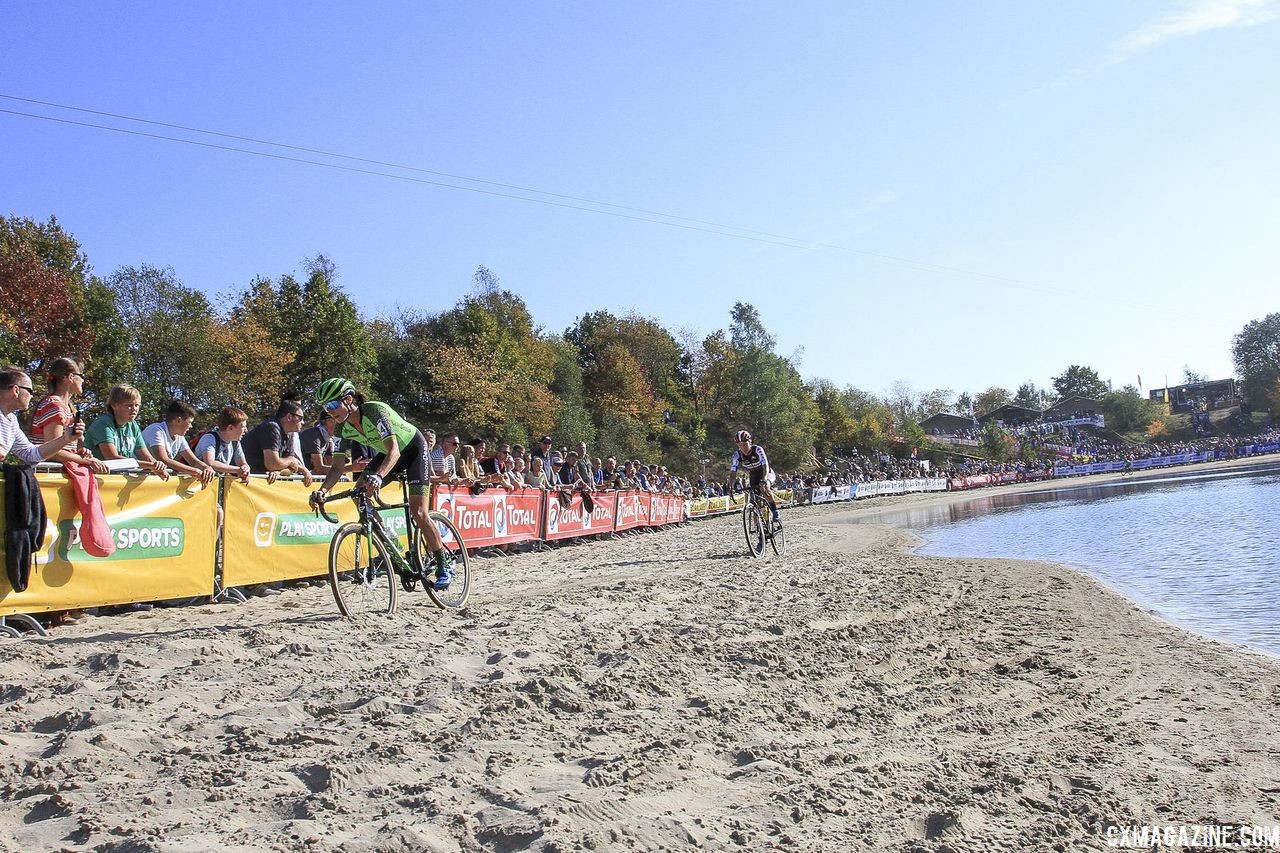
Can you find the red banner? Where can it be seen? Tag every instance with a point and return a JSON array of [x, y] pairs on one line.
[[493, 517], [633, 510], [665, 509], [574, 520]]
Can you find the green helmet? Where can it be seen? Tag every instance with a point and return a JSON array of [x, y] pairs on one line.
[[333, 389]]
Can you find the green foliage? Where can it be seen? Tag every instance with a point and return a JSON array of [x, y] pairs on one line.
[[1255, 350], [997, 444], [1127, 410], [1079, 381], [1031, 397], [993, 398], [314, 321]]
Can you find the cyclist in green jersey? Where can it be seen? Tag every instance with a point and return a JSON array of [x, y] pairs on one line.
[[399, 447]]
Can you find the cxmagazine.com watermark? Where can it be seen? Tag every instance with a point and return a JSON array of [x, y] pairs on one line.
[[1200, 836]]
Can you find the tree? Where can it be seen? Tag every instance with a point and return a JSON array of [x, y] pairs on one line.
[[937, 400], [1127, 410], [993, 398], [37, 313], [1255, 351], [1192, 377], [1031, 397], [1079, 381], [998, 444], [837, 429], [316, 322], [93, 330]]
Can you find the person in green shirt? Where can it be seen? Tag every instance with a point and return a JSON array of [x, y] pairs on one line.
[[116, 435], [399, 446]]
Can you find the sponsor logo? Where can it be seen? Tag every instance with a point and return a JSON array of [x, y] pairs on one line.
[[264, 529], [500, 517], [136, 539]]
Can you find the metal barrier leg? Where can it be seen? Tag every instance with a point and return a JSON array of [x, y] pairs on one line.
[[23, 620]]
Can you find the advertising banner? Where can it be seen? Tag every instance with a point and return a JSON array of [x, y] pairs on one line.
[[574, 520], [493, 517], [164, 533], [270, 532], [633, 510]]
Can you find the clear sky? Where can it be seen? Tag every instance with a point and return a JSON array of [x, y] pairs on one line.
[[953, 195]]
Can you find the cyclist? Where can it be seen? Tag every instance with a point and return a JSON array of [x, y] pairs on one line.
[[399, 445], [752, 458]]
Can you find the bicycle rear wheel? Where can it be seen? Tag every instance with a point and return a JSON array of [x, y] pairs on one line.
[[455, 594], [753, 526], [360, 574]]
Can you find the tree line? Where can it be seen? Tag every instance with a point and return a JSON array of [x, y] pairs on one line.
[[624, 384]]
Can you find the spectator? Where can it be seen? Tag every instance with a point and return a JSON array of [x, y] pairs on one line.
[[16, 395], [545, 452], [537, 477], [167, 441], [220, 449], [318, 445], [584, 464], [468, 469], [518, 472], [268, 447], [609, 473], [54, 414], [115, 435], [444, 467]]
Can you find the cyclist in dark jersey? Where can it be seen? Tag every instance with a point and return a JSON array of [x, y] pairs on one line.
[[752, 459], [399, 446]]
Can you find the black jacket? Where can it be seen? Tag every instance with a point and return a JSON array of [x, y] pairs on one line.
[[25, 518]]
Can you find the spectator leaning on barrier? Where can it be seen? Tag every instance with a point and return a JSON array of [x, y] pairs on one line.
[[318, 445], [115, 435], [537, 477], [444, 468], [518, 473], [220, 449], [268, 447], [167, 441], [468, 470], [54, 413], [16, 395]]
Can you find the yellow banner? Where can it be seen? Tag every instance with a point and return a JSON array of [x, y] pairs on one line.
[[165, 534], [271, 534]]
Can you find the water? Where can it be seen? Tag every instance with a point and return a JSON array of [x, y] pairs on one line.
[[1202, 550]]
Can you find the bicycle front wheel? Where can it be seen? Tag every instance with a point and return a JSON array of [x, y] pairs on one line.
[[360, 573], [753, 526], [455, 594], [777, 540]]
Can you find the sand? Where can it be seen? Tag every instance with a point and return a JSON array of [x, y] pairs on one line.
[[656, 691]]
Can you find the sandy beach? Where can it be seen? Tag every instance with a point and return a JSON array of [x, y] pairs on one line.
[[656, 691]]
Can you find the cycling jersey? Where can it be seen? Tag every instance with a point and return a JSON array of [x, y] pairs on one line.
[[378, 422], [753, 460]]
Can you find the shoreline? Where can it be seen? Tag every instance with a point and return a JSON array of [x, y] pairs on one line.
[[658, 689], [1224, 467]]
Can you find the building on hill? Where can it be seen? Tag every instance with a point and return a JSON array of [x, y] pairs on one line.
[[1198, 396], [1075, 411], [1010, 416], [945, 423]]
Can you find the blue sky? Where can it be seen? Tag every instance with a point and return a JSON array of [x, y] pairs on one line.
[[948, 195]]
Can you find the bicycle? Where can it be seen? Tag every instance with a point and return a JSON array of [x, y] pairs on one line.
[[759, 526], [365, 558]]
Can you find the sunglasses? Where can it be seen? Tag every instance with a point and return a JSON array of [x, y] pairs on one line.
[[26, 388], [333, 405]]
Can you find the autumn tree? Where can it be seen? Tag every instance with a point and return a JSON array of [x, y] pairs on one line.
[[92, 330]]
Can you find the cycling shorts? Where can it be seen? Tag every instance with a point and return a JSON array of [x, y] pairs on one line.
[[412, 463]]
